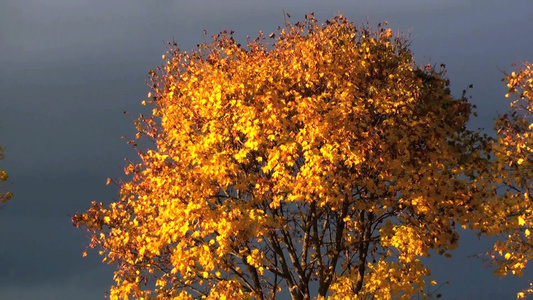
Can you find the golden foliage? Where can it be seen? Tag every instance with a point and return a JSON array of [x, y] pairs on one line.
[[322, 161], [4, 196], [512, 212]]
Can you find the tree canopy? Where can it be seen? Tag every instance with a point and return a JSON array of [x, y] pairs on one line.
[[317, 162], [4, 196], [512, 211]]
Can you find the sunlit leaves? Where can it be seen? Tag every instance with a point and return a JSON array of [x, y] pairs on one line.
[[325, 161], [4, 196], [513, 172]]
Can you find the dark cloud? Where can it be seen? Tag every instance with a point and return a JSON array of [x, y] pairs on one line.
[[70, 69], [83, 285], [40, 250]]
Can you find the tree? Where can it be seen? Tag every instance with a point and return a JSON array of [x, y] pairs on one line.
[[321, 164], [4, 196], [512, 210]]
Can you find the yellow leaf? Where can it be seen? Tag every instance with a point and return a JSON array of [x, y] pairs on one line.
[[326, 136]]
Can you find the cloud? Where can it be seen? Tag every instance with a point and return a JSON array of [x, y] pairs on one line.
[[70, 68], [39, 247], [81, 286]]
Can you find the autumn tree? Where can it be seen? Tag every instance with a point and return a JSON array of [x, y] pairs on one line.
[[319, 161], [4, 196], [512, 210]]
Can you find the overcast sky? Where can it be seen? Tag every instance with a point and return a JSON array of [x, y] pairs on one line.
[[70, 68]]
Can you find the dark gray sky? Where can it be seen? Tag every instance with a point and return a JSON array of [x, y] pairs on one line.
[[69, 68]]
